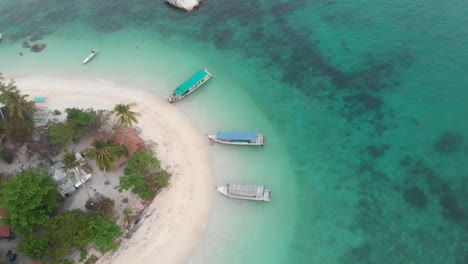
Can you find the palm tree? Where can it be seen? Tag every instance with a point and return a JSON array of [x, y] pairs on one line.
[[105, 153], [71, 163], [125, 117], [16, 103]]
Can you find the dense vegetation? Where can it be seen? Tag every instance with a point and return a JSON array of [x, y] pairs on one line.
[[144, 175], [72, 230], [32, 197]]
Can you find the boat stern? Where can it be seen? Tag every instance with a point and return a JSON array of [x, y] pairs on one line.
[[173, 98], [222, 189]]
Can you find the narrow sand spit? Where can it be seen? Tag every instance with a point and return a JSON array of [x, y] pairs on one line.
[[174, 222]]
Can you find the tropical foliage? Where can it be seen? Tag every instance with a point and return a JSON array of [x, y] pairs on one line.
[[143, 175], [105, 153], [34, 247], [103, 233], [125, 116], [31, 197], [16, 116], [62, 133], [14, 101], [72, 230], [80, 118]]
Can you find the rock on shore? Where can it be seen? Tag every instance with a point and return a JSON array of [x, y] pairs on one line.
[[187, 5]]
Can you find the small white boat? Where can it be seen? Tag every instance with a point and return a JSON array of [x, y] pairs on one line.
[[245, 138], [246, 192], [90, 56], [1, 35]]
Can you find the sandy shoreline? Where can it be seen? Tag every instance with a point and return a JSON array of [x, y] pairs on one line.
[[174, 222]]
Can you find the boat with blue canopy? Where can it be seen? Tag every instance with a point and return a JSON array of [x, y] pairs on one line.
[[190, 85], [246, 192], [238, 138]]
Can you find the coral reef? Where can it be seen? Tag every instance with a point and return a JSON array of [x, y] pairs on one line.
[[451, 210], [38, 47], [449, 142], [415, 197]]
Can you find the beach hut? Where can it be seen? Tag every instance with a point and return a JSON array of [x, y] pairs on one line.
[[68, 180], [128, 138]]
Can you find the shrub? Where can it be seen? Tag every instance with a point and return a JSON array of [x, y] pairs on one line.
[[143, 175], [127, 214], [6, 156]]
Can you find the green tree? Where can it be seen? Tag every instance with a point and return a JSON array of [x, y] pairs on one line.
[[104, 230], [31, 196], [67, 232], [125, 116], [61, 133], [105, 153], [143, 175], [18, 117], [33, 247], [14, 101], [80, 118]]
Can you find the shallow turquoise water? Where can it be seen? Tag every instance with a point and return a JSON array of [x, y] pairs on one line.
[[363, 103]]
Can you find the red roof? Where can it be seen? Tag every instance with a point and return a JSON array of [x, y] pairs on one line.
[[4, 228], [128, 138]]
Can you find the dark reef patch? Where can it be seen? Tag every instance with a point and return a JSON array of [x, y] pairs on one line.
[[449, 193], [38, 47], [451, 209], [415, 197], [223, 38], [377, 151], [449, 142]]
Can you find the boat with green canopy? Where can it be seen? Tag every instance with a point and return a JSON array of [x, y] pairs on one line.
[[190, 85]]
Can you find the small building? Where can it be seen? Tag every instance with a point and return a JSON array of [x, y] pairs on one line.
[[4, 228], [130, 140], [68, 180]]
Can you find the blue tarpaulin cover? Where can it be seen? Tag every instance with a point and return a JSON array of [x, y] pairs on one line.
[[237, 135], [198, 76]]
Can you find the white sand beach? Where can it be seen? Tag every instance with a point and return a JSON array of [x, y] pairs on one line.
[[174, 222]]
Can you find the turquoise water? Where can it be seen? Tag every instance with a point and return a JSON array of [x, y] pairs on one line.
[[364, 105]]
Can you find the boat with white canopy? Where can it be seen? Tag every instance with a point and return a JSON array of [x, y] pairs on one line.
[[246, 192]]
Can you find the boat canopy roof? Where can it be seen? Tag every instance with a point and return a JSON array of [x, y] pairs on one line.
[[185, 86], [246, 190], [237, 135]]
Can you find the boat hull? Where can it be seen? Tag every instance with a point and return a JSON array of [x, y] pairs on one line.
[[223, 190], [258, 142], [90, 56]]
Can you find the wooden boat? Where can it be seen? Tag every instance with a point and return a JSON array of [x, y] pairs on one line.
[[90, 56], [246, 192], [245, 138], [190, 85]]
